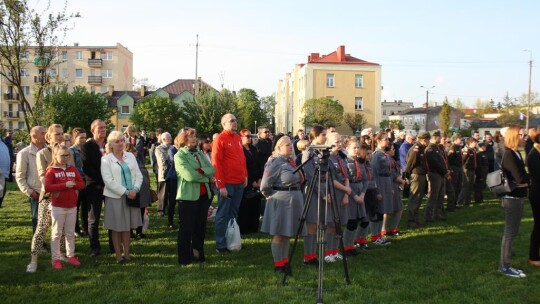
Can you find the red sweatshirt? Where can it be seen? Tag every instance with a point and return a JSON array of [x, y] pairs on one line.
[[55, 184], [228, 159]]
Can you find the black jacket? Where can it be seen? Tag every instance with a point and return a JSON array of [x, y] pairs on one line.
[[435, 160], [91, 158], [514, 170]]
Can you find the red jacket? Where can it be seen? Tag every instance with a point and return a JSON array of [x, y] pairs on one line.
[[55, 184], [228, 159]]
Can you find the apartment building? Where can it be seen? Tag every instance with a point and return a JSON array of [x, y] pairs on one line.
[[353, 82], [98, 68], [394, 107]]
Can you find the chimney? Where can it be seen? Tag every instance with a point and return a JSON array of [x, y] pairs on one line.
[[313, 57], [341, 53], [424, 105], [143, 89], [75, 44], [110, 90]]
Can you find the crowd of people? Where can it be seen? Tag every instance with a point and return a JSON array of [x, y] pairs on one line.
[[70, 177]]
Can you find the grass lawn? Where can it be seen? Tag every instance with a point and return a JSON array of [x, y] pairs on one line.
[[454, 261]]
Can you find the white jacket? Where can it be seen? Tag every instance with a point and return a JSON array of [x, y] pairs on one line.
[[26, 172], [112, 174]]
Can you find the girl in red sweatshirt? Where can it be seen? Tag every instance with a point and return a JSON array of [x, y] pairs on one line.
[[63, 183]]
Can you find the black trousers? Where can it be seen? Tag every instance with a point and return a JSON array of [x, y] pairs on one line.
[[94, 198], [534, 198], [192, 229], [163, 197], [248, 215], [82, 209], [172, 186]]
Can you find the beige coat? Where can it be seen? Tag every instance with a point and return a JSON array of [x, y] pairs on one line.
[[26, 173]]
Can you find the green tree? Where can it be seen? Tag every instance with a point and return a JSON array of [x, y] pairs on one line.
[[76, 109], [268, 105], [507, 119], [507, 101], [205, 111], [384, 124], [458, 104], [249, 110], [444, 118], [24, 29], [322, 111], [397, 124], [355, 121], [155, 112]]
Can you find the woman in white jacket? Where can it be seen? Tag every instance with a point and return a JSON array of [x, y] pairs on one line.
[[122, 179]]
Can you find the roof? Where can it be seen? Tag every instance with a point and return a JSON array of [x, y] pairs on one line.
[[431, 110], [179, 86], [339, 56], [136, 95]]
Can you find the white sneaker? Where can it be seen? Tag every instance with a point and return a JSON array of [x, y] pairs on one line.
[[330, 258], [338, 256], [381, 241], [31, 268]]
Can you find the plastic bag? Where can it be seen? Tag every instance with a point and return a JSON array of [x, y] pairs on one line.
[[232, 235]]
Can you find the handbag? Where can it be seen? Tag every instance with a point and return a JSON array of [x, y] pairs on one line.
[[131, 202], [252, 193], [498, 183], [232, 236], [153, 195]]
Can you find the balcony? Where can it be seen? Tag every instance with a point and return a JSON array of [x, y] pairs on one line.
[[94, 79], [11, 97], [94, 62], [41, 79], [11, 115], [42, 61]]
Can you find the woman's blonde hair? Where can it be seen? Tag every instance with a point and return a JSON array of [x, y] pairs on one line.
[[57, 148], [302, 145], [50, 131], [512, 138], [282, 141], [114, 136]]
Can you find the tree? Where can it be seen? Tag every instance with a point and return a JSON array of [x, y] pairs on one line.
[[458, 104], [138, 82], [394, 124], [444, 118], [22, 29], [507, 101], [507, 119], [249, 109], [268, 105], [155, 112], [205, 111], [355, 121], [76, 109], [322, 111]]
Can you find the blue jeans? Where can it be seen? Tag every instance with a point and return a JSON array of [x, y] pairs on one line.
[[34, 213], [227, 209]]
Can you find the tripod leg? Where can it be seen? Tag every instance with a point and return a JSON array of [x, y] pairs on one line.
[[307, 203]]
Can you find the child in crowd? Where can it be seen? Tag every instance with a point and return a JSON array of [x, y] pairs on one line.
[[481, 174], [63, 181]]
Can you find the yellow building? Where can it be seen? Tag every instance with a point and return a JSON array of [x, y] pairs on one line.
[[355, 83], [98, 68]]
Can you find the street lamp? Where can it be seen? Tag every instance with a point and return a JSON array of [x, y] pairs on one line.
[[427, 104], [255, 127], [529, 99]]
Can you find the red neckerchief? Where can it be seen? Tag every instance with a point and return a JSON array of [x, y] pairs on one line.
[[299, 172]]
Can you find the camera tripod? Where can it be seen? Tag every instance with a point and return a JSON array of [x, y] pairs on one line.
[[322, 176]]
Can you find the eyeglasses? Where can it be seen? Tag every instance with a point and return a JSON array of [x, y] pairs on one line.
[[64, 155], [247, 136]]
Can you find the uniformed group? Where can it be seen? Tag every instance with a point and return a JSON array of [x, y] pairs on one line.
[[360, 188]]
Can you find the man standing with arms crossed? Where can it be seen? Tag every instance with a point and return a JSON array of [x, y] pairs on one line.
[[26, 173], [91, 153], [231, 176]]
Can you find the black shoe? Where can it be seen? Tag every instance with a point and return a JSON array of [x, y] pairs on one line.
[[141, 235], [279, 269], [94, 253], [172, 227], [121, 261], [393, 234], [222, 250], [312, 262], [350, 253], [450, 210], [364, 246]]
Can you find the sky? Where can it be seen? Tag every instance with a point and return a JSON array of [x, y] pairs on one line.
[[466, 49]]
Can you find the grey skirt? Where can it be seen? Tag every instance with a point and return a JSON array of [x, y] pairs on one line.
[[385, 188], [118, 216], [398, 203], [282, 213]]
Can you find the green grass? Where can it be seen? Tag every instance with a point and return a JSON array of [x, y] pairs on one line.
[[448, 262]]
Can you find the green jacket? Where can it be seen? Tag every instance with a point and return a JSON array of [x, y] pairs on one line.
[[189, 179]]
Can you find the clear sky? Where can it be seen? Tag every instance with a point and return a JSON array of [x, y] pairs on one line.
[[466, 49]]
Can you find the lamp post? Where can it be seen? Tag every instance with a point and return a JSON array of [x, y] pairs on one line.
[[255, 127], [529, 98], [427, 104]]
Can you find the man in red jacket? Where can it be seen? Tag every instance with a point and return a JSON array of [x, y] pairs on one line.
[[231, 176]]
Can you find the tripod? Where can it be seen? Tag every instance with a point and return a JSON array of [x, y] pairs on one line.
[[321, 171]]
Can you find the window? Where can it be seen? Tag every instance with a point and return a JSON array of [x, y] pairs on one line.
[[78, 55], [106, 73], [26, 90], [124, 127], [64, 55], [25, 55], [358, 103], [423, 120], [92, 89], [104, 90], [124, 110], [384, 112], [78, 73], [65, 73], [21, 125], [106, 55], [52, 72], [24, 73], [330, 81], [358, 81]]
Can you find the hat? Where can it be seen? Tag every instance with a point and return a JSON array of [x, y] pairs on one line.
[[366, 131], [436, 133], [503, 131], [424, 135]]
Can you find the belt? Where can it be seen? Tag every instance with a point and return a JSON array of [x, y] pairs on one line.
[[291, 188], [357, 182], [384, 174]]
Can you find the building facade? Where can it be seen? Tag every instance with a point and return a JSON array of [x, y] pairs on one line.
[[426, 119], [100, 69], [395, 107], [353, 82]]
